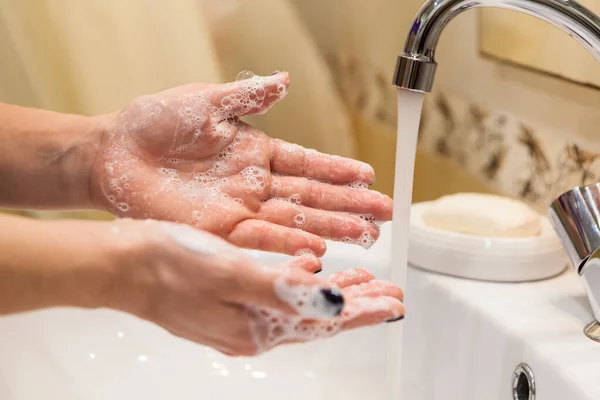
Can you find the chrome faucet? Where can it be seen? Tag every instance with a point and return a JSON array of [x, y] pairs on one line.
[[575, 215]]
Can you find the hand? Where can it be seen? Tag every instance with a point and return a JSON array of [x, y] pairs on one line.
[[201, 288], [183, 155]]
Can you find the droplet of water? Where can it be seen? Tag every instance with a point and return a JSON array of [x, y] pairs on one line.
[[244, 75]]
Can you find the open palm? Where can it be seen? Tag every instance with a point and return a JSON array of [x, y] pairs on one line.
[[183, 155]]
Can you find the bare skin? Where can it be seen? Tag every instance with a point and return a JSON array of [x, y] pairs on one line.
[[213, 294], [205, 182], [183, 155]]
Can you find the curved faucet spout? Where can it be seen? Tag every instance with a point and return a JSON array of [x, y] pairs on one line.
[[415, 68]]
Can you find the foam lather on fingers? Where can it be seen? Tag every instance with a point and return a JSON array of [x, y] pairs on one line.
[[304, 252], [194, 239], [310, 301], [366, 240], [270, 327], [315, 303], [368, 218]]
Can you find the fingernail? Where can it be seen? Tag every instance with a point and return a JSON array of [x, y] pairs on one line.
[[316, 272], [276, 72], [334, 301], [396, 319]]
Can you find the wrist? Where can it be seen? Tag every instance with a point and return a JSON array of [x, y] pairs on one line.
[[77, 161], [131, 266], [56, 263], [47, 158], [88, 275]]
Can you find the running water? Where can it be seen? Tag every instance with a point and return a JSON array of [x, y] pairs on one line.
[[409, 116]]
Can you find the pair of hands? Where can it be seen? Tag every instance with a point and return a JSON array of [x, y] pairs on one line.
[[183, 155]]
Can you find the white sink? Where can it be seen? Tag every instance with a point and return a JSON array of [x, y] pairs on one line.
[[462, 341]]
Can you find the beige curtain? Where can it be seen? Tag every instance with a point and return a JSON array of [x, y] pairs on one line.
[[93, 56], [265, 35]]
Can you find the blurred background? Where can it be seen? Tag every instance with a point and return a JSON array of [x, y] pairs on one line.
[[508, 115]]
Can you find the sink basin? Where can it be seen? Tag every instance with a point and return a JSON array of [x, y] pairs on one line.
[[70, 354], [462, 341]]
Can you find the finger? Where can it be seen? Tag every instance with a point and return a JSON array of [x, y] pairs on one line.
[[292, 291], [328, 224], [306, 261], [333, 198], [368, 311], [358, 312], [255, 95], [291, 159], [262, 235], [354, 276], [374, 289]]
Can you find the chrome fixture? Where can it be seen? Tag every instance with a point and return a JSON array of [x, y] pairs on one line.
[[415, 68], [523, 383], [575, 215]]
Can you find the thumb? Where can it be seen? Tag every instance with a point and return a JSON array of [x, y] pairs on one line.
[[290, 290], [255, 95]]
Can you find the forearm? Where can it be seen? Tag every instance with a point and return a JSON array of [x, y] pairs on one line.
[[56, 263], [46, 158]]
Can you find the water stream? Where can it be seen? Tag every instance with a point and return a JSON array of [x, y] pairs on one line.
[[409, 117]]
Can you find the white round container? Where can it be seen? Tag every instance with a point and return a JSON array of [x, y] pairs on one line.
[[483, 258]]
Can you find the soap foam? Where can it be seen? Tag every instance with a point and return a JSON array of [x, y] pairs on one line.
[[299, 219], [294, 198], [270, 327], [303, 252], [365, 240], [194, 239], [198, 121], [370, 218], [307, 301]]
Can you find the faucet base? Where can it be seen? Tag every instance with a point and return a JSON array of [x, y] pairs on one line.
[[592, 331], [414, 73]]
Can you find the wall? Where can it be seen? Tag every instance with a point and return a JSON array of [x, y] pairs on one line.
[[519, 38], [526, 134], [487, 127]]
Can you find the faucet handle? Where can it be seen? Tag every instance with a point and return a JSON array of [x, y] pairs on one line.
[[575, 216]]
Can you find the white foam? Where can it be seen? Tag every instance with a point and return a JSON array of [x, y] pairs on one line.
[[271, 327], [303, 252], [370, 218], [243, 75], [307, 301], [198, 121], [365, 240], [254, 178], [194, 239], [294, 198], [299, 219]]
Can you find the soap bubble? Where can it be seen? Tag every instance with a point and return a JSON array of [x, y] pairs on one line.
[[299, 219], [242, 76]]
